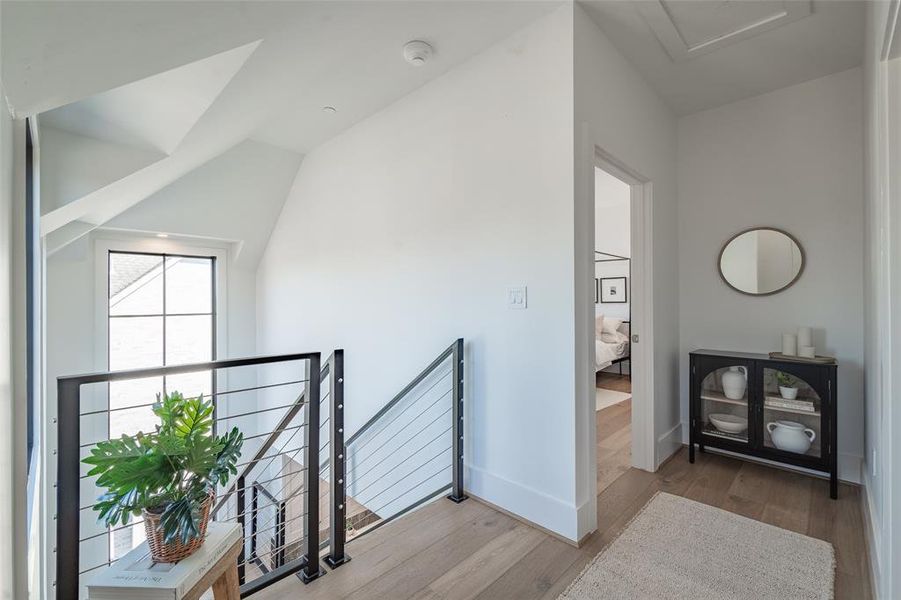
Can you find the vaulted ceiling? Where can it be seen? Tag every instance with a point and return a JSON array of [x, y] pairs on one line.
[[177, 84], [155, 113], [138, 95]]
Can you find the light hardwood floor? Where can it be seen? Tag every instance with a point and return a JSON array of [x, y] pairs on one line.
[[613, 381], [470, 550], [614, 432]]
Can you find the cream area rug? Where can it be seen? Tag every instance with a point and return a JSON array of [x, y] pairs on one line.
[[605, 398], [677, 548]]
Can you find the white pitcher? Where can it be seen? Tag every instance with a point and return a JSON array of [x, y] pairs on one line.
[[735, 382], [791, 436]]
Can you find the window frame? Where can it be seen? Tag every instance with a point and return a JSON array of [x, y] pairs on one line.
[[132, 243], [32, 306], [213, 314], [136, 244]]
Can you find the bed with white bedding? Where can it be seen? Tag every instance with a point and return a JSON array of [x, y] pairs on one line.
[[612, 344]]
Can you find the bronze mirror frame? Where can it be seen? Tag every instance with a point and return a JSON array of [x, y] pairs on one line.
[[719, 260]]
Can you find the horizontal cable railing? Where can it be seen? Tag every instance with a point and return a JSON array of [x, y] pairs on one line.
[[275, 497], [409, 453], [293, 497], [295, 460]]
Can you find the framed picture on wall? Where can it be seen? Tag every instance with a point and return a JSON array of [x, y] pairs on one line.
[[613, 290], [597, 290]]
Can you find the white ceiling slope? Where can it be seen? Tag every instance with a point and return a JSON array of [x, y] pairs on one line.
[[54, 53], [157, 112], [237, 197], [312, 54], [73, 165], [698, 54]]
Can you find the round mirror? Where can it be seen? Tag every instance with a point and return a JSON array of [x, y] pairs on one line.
[[761, 261]]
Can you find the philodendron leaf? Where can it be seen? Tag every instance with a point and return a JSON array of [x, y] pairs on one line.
[[196, 418], [179, 522], [110, 453], [201, 456], [172, 446], [145, 472], [228, 456], [168, 408], [114, 507]]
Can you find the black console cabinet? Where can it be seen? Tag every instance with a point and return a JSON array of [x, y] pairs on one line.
[[763, 420]]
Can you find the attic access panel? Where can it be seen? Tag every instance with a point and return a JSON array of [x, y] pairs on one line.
[[689, 28]]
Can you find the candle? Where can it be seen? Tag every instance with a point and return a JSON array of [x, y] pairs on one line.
[[805, 337], [807, 351], [789, 344]]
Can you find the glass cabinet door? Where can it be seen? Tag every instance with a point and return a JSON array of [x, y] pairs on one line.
[[792, 413], [724, 403]]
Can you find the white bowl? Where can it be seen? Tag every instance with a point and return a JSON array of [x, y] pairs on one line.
[[789, 393], [728, 423]]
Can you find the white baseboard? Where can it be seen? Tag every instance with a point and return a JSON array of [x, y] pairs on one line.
[[668, 444], [586, 518], [872, 536], [529, 504], [850, 468]]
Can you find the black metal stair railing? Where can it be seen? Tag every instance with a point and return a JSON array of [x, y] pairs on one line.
[[292, 553], [409, 453], [284, 461], [277, 541]]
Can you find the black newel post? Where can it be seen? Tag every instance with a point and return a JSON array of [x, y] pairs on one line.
[[337, 464], [458, 495]]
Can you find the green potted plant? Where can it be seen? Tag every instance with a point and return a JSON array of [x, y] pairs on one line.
[[169, 476], [788, 387]]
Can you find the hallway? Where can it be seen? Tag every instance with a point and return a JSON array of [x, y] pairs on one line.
[[471, 551]]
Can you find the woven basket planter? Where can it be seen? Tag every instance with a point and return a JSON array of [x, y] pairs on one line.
[[175, 551]]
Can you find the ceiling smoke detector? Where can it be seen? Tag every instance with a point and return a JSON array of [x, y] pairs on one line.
[[417, 52]]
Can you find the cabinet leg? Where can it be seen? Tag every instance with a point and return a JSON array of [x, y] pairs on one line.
[[833, 485], [701, 447], [691, 452]]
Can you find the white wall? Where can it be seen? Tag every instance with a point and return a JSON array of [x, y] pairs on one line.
[[790, 159], [618, 112], [612, 223], [613, 234], [888, 453], [8, 484], [882, 484], [403, 233]]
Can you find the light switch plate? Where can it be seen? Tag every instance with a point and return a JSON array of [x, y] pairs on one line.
[[517, 297]]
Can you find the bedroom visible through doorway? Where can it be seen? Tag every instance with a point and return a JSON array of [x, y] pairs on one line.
[[613, 324]]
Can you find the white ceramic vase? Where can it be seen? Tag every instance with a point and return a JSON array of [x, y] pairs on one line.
[[735, 382], [791, 436]]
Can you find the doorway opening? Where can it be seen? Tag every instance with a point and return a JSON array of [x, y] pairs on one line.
[[640, 433], [613, 296]]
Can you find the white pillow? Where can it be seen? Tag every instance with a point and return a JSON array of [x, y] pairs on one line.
[[598, 325], [611, 325]]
